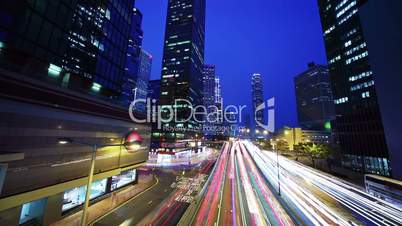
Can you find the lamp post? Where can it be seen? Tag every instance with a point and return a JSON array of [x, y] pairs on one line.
[[276, 146], [127, 142]]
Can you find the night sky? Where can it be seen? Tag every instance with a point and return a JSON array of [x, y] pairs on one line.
[[276, 38]]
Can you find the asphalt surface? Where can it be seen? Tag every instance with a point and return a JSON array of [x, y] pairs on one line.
[[133, 212]]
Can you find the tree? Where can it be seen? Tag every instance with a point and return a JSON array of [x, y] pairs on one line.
[[316, 151]]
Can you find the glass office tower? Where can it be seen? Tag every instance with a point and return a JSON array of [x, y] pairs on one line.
[[358, 126], [98, 45], [314, 101], [183, 61], [81, 45]]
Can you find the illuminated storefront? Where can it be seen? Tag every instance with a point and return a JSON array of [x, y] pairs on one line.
[[123, 179], [76, 196]]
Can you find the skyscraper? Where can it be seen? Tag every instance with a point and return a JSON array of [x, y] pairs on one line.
[[257, 99], [133, 60], [154, 89], [143, 75], [315, 104], [62, 66], [99, 39], [358, 125], [218, 95], [209, 78], [80, 45], [183, 61], [26, 47], [382, 24]]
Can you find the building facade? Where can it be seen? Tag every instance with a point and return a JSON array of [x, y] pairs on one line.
[[183, 61], [133, 59], [143, 76], [209, 100], [81, 45], [154, 89], [257, 89], [315, 104], [358, 126], [62, 70], [287, 138], [99, 37], [383, 17]]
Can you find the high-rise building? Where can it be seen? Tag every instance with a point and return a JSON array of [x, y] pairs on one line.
[[315, 104], [143, 75], [32, 40], [257, 90], [382, 24], [62, 66], [101, 35], [231, 125], [209, 78], [133, 60], [183, 61], [80, 45], [218, 95], [154, 89], [358, 126]]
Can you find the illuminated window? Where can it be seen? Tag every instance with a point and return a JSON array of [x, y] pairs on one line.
[[343, 11], [107, 14], [360, 76], [96, 87], [366, 94], [335, 59], [356, 58], [342, 100], [54, 70]]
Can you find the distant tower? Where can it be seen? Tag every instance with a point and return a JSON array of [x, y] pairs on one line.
[[209, 77], [258, 99], [218, 96]]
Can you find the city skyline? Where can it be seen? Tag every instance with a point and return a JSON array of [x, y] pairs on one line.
[[289, 29], [127, 112]]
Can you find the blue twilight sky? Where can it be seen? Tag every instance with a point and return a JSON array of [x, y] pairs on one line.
[[276, 38]]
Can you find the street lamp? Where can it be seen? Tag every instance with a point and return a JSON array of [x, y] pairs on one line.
[[131, 141]]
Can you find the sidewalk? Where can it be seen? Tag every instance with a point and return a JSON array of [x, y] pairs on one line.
[[108, 204]]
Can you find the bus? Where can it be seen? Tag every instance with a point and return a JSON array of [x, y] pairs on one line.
[[384, 188]]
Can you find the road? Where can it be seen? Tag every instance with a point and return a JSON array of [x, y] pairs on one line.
[[134, 211], [244, 190], [238, 195], [321, 199], [170, 211], [164, 203]]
